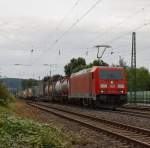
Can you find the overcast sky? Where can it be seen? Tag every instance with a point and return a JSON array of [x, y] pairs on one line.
[[40, 25]]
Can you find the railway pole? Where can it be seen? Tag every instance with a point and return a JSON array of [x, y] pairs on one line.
[[133, 67]]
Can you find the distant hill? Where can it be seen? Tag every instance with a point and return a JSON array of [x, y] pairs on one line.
[[12, 83]]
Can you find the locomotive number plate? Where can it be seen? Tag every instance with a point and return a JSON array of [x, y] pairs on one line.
[[112, 86]]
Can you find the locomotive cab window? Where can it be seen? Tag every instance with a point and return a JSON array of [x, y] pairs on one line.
[[106, 74]]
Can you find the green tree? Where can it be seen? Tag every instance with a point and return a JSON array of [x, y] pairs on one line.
[[99, 63], [46, 78], [78, 64], [142, 78], [56, 77], [75, 65], [5, 96], [52, 78]]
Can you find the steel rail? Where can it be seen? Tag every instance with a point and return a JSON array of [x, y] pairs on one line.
[[134, 112]]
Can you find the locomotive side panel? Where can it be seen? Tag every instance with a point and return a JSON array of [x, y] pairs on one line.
[[80, 86]]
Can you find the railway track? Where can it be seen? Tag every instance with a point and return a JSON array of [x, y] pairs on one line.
[[131, 136], [134, 112], [137, 107]]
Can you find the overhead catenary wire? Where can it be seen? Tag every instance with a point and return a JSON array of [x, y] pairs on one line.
[[68, 13], [85, 14], [116, 38], [60, 23], [124, 34], [78, 20], [136, 29], [122, 21]]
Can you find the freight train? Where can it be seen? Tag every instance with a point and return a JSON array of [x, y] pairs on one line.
[[99, 86]]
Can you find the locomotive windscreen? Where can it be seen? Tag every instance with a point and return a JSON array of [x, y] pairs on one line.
[[107, 74]]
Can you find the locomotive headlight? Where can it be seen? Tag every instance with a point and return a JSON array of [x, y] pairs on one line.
[[103, 85], [111, 82], [121, 91], [121, 86], [102, 91]]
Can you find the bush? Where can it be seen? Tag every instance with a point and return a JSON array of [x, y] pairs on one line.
[[5, 96], [17, 132]]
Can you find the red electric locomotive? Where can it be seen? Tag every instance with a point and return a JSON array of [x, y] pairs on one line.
[[99, 86]]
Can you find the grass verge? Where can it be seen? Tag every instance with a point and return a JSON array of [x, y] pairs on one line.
[[20, 132]]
